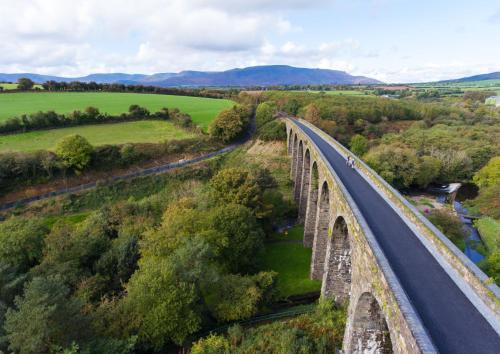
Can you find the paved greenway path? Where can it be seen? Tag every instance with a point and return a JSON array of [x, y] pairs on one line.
[[452, 321], [132, 175]]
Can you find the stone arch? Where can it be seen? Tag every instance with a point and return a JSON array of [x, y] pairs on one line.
[[306, 181], [369, 332], [298, 172], [337, 277], [312, 206], [321, 233]]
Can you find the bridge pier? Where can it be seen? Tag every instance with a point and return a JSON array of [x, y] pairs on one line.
[[337, 274], [294, 157], [304, 188], [321, 234], [311, 206], [298, 172], [367, 331]]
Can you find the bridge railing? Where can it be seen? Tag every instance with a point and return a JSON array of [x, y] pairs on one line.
[[483, 286]]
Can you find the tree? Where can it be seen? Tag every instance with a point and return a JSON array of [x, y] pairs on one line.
[[45, 317], [449, 224], [428, 171], [273, 131], [230, 123], [24, 84], [398, 165], [359, 145], [239, 236], [75, 151], [233, 297], [264, 114], [137, 111], [491, 265], [236, 185], [92, 113], [489, 175], [21, 242], [488, 201], [313, 114], [164, 293]]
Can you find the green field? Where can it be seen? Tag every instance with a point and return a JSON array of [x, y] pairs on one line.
[[202, 110], [346, 93], [339, 92], [14, 86], [292, 261], [99, 134]]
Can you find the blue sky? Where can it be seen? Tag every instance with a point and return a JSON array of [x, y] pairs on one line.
[[391, 40]]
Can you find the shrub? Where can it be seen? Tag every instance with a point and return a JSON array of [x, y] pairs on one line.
[[213, 344], [359, 145], [489, 175], [450, 225], [487, 202]]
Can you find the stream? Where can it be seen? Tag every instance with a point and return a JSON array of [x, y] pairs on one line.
[[464, 192]]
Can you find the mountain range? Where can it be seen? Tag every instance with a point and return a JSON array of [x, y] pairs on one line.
[[267, 75], [482, 77]]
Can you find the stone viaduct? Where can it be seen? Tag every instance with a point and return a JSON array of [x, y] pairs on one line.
[[354, 268]]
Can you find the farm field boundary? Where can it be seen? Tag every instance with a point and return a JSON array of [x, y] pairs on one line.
[[142, 173]]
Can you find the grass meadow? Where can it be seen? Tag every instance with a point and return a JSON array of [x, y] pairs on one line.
[[202, 110], [98, 134], [7, 87], [286, 255], [338, 92]]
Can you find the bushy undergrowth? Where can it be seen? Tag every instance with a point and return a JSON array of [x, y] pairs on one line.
[[25, 169], [159, 259], [319, 332], [273, 131]]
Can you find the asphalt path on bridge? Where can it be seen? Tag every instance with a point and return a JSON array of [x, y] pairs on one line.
[[453, 323]]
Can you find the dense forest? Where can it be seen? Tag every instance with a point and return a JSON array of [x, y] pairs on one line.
[[140, 275]]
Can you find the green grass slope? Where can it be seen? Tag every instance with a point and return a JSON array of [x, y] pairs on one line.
[[203, 110], [99, 134], [292, 261]]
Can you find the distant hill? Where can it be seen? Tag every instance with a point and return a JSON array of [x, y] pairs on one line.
[[268, 75], [482, 77]]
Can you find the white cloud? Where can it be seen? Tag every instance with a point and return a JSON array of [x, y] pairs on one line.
[[54, 33], [79, 37]]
